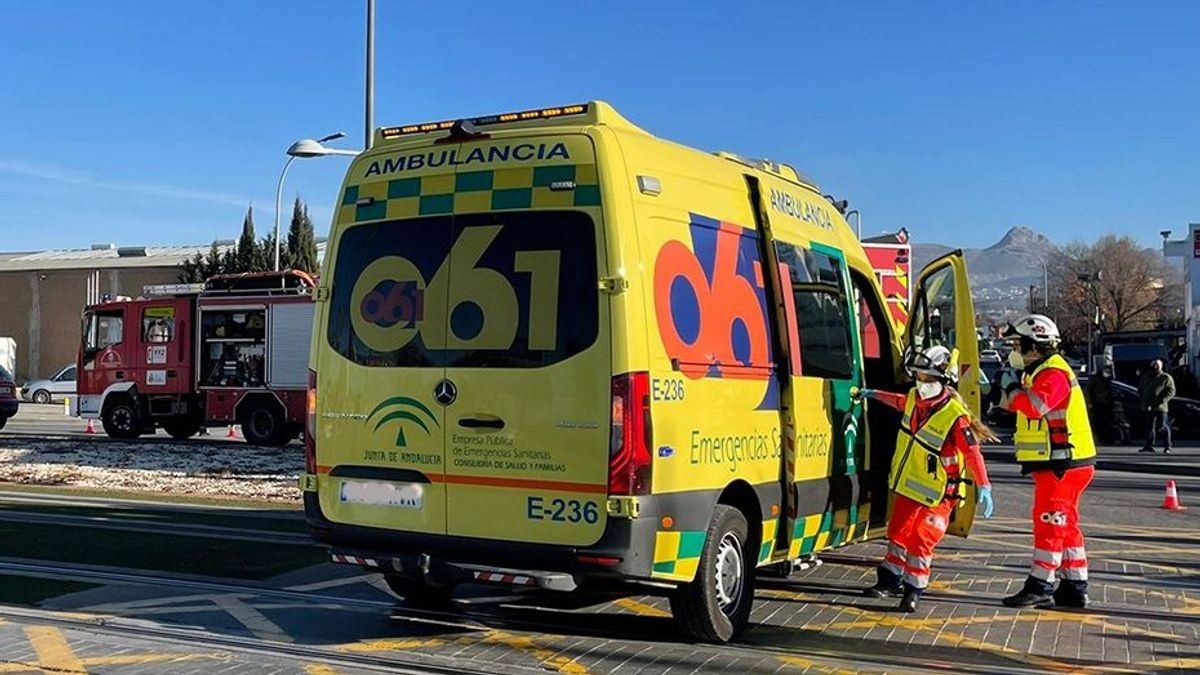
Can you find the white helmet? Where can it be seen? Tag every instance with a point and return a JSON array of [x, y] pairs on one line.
[[1036, 327], [937, 361]]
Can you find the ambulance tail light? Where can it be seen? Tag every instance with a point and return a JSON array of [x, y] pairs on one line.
[[310, 424], [629, 458]]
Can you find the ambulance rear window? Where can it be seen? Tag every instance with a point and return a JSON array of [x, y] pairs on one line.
[[492, 290]]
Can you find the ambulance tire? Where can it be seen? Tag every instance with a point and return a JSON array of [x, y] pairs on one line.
[[181, 428], [121, 418], [715, 606], [420, 593], [263, 424]]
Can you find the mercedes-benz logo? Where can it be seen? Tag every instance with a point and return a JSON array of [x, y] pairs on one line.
[[445, 392]]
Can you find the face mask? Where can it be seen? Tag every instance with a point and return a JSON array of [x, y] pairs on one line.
[[928, 390], [1016, 360]]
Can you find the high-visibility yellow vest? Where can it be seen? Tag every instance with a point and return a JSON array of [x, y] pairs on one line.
[[918, 469], [1058, 434]]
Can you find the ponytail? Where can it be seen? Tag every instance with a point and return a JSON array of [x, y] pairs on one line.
[[982, 431]]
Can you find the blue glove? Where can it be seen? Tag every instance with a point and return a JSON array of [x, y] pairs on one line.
[[860, 394], [985, 498]]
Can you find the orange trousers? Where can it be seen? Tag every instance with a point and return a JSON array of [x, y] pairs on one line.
[[1058, 548], [914, 530]]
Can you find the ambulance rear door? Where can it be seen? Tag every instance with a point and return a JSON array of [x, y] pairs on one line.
[[943, 313]]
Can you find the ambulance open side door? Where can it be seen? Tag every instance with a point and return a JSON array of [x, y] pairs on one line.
[[943, 313]]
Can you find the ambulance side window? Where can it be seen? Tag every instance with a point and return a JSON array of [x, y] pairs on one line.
[[933, 318], [822, 315]]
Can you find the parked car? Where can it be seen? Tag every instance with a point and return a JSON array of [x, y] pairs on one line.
[[56, 387], [1184, 413], [8, 396]]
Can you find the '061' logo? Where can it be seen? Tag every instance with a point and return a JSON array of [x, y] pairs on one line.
[[710, 302]]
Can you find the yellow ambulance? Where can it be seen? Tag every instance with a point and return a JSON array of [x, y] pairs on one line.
[[552, 350]]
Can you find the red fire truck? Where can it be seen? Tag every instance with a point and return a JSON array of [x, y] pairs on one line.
[[233, 350]]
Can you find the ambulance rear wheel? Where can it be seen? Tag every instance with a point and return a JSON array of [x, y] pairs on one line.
[[263, 424], [418, 592], [122, 418], [715, 606]]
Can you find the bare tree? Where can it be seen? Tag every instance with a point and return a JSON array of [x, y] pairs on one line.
[[1131, 286]]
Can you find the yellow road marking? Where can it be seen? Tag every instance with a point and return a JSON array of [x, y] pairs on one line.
[[935, 627], [807, 664], [53, 652], [641, 608], [387, 645], [134, 659], [528, 645], [319, 669]]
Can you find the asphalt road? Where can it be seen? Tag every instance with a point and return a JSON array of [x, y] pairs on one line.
[[51, 419], [98, 585]]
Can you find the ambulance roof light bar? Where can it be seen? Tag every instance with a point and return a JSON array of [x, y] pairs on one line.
[[503, 118]]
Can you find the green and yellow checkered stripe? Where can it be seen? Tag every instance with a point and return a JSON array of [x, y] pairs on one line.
[[769, 529], [526, 187], [828, 530], [677, 555]]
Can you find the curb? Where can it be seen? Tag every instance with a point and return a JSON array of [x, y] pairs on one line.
[[1124, 466]]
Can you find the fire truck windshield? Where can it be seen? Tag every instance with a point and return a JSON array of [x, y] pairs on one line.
[[102, 330]]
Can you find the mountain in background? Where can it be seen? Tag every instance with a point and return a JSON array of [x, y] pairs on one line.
[[1002, 273]]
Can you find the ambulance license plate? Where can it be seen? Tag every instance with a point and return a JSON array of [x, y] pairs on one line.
[[383, 493]]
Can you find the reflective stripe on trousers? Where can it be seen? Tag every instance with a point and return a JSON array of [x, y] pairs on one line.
[[894, 560], [916, 571], [1074, 564]]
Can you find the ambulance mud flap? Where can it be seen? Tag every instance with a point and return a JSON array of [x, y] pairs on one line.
[[425, 567]]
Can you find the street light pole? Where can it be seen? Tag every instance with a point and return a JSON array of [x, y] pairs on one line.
[[304, 149], [858, 218], [369, 132], [279, 205], [1045, 285]]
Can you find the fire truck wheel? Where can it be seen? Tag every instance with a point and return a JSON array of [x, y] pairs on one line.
[[121, 418], [263, 424], [181, 429]]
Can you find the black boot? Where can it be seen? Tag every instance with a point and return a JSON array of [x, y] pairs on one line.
[[887, 585], [908, 604], [1034, 593], [1071, 594]]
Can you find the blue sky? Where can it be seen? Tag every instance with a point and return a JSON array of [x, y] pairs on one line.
[[159, 122]]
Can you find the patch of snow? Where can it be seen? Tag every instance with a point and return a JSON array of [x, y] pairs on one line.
[[194, 468]]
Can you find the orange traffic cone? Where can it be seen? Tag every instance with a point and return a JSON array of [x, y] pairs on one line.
[[233, 432], [1171, 500], [90, 427]]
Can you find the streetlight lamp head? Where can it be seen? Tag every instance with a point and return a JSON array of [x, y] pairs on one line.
[[307, 148], [1166, 234]]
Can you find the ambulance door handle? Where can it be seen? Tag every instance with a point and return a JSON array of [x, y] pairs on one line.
[[475, 423]]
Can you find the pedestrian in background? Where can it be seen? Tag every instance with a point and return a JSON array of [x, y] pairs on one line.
[[937, 440], [1055, 447], [1156, 389]]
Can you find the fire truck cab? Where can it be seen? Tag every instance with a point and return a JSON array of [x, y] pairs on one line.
[[233, 350]]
